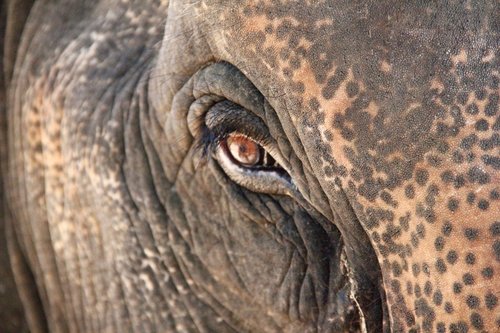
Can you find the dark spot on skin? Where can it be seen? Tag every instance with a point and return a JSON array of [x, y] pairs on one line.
[[415, 268], [437, 298], [352, 89], [483, 204], [418, 292], [476, 321], [460, 327], [404, 221], [494, 195], [453, 204], [387, 198], [496, 249], [491, 301], [443, 147], [468, 142], [414, 240], [430, 216], [459, 181], [409, 288], [468, 279], [487, 272], [421, 176], [396, 269], [477, 175], [410, 191], [471, 197], [470, 258], [457, 287], [441, 327], [495, 229], [493, 161], [452, 257], [434, 160], [430, 199], [408, 250], [482, 125], [440, 266], [470, 156], [458, 157], [347, 134], [426, 269], [488, 144], [447, 176], [472, 109], [448, 307], [384, 251], [439, 243], [428, 288], [396, 286], [421, 230], [447, 228], [472, 301], [471, 233]]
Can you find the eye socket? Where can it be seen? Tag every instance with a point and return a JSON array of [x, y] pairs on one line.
[[230, 129]]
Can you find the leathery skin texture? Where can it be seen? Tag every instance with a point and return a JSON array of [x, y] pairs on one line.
[[380, 214]]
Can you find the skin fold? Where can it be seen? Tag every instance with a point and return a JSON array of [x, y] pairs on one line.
[[123, 216]]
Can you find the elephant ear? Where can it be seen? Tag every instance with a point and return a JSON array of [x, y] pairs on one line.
[[13, 15]]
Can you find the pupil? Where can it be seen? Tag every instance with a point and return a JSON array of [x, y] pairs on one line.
[[243, 150]]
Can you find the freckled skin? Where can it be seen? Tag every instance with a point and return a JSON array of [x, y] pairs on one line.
[[401, 100], [385, 114]]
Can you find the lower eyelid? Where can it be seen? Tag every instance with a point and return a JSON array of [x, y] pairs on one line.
[[256, 180]]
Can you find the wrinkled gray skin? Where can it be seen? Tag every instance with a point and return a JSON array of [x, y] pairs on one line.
[[384, 115]]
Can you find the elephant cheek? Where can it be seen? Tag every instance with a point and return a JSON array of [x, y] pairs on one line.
[[436, 239]]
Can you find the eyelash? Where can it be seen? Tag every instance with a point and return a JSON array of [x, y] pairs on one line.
[[208, 142]]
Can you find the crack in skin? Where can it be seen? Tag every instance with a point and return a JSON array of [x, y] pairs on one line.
[[353, 290]]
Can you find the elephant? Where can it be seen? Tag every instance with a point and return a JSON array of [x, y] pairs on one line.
[[252, 166]]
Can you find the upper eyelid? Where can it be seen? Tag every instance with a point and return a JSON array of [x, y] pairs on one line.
[[226, 117]]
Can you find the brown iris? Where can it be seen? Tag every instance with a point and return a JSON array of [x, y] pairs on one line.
[[244, 150]]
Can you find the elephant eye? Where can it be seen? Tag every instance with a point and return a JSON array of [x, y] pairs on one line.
[[246, 152], [250, 165], [242, 146]]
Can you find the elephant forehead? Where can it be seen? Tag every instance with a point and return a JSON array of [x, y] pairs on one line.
[[397, 105], [379, 75]]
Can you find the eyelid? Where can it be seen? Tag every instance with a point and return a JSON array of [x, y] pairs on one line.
[[226, 117]]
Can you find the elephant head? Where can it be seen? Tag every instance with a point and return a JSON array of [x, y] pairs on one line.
[[255, 166]]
